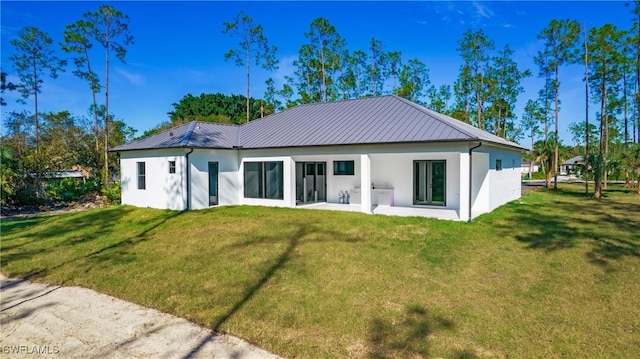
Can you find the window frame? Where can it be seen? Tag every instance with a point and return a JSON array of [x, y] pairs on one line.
[[268, 187], [172, 167], [498, 164], [141, 171], [337, 171], [428, 199]]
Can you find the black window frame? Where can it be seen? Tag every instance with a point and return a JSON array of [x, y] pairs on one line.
[[267, 187], [141, 169], [498, 164], [345, 171], [172, 167], [428, 198]]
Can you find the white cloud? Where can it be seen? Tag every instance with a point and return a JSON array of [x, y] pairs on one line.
[[482, 11], [285, 68], [134, 78], [508, 26]]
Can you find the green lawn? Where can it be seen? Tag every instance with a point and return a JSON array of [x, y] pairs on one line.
[[551, 275]]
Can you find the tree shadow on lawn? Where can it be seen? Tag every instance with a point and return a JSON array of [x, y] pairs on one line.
[[80, 227], [110, 251], [407, 336], [299, 236], [610, 227]]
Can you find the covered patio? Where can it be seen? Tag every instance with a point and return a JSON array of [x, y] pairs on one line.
[[440, 213]]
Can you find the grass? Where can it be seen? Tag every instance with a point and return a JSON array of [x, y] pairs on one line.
[[551, 275]]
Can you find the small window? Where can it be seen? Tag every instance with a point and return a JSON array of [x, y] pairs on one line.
[[172, 166], [498, 165], [142, 184], [343, 168]]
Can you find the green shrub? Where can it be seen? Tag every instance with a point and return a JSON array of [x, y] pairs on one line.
[[538, 175], [69, 189], [112, 192]]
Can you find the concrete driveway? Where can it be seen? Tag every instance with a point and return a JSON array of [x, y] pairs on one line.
[[41, 320]]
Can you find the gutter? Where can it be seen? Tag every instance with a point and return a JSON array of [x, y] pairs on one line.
[[187, 170], [471, 178]]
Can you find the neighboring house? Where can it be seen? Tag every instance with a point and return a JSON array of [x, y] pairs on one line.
[[571, 164], [55, 176], [77, 174], [382, 154], [526, 167]]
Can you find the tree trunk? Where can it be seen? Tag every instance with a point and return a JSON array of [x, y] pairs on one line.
[[324, 76], [248, 81], [606, 151], [106, 116], [39, 191], [506, 116], [555, 156], [586, 112], [627, 183], [598, 184]]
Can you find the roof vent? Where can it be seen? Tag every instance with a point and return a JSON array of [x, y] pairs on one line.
[[170, 134]]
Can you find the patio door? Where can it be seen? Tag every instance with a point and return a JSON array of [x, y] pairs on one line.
[[213, 183], [311, 182], [429, 182]]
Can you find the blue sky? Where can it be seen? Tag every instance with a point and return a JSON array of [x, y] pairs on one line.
[[179, 46]]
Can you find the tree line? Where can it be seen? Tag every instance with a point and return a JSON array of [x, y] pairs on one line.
[[38, 144], [486, 89], [610, 57]]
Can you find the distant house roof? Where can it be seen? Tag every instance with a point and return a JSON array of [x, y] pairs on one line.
[[60, 174], [373, 120], [574, 161]]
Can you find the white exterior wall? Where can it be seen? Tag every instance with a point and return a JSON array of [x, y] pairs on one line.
[[504, 185], [395, 170], [163, 190], [525, 169], [288, 181], [391, 166], [229, 178], [481, 183], [492, 188]]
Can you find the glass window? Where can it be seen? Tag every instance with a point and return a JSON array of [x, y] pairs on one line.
[[343, 168], [274, 186], [498, 165], [142, 184], [429, 182], [253, 180], [264, 180], [172, 166]]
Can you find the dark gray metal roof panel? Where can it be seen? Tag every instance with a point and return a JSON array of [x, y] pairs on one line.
[[170, 138], [384, 119], [193, 134]]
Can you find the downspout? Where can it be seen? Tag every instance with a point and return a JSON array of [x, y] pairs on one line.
[[471, 178], [185, 143], [187, 171]]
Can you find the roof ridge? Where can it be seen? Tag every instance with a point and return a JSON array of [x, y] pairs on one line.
[[428, 112], [187, 135], [239, 136], [314, 104]]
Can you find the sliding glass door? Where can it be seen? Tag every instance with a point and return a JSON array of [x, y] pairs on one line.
[[429, 182], [311, 182]]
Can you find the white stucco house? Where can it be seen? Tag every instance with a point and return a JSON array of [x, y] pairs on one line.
[[374, 155]]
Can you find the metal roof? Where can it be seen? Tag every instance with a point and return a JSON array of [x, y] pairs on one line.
[[384, 119], [574, 160], [190, 135]]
